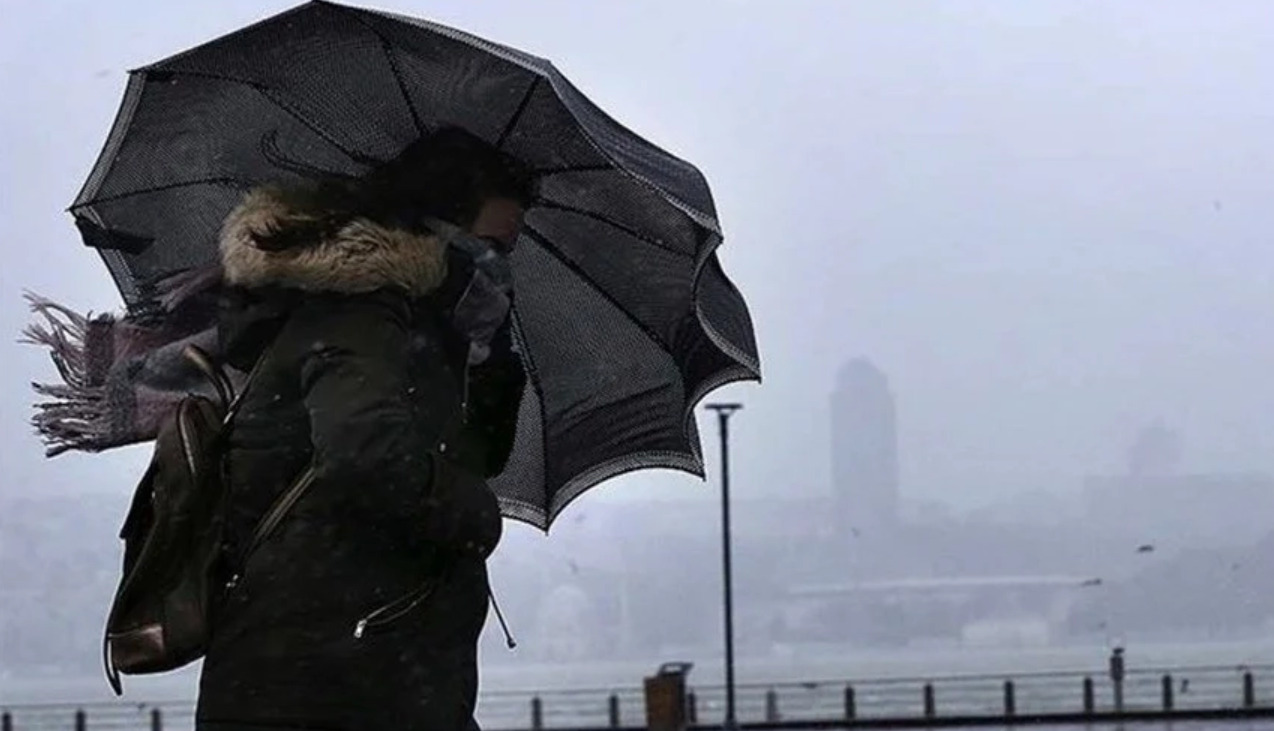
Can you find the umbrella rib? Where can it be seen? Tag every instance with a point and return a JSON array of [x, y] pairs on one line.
[[264, 91], [545, 172], [555, 206], [533, 376], [220, 180], [517, 114], [578, 271], [388, 49]]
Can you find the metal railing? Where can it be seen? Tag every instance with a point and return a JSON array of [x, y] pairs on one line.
[[99, 717], [1025, 697]]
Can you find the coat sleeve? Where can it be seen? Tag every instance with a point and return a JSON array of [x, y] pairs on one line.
[[496, 387], [366, 428]]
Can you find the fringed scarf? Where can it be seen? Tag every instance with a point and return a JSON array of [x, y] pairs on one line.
[[122, 376], [119, 377]]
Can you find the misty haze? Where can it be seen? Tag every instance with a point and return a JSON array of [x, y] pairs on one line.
[[1009, 270]]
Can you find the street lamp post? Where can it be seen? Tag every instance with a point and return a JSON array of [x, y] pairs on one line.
[[724, 412]]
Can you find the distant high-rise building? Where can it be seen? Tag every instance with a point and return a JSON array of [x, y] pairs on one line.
[[864, 450]]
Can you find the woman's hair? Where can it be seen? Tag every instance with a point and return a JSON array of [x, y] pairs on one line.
[[447, 174]]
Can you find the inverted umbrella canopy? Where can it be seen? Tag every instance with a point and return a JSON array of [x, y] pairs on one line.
[[624, 317]]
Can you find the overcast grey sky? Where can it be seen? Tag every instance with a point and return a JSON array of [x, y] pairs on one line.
[[1046, 221]]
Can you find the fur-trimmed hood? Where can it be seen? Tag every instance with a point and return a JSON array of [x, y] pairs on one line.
[[363, 256]]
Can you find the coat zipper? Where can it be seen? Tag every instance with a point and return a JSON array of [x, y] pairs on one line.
[[394, 610], [271, 520], [464, 396]]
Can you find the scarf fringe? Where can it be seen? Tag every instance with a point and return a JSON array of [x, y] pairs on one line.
[[181, 287], [74, 415]]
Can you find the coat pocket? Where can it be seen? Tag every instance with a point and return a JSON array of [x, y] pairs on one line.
[[387, 614], [462, 515]]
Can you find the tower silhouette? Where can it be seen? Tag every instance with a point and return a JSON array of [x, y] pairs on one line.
[[864, 450]]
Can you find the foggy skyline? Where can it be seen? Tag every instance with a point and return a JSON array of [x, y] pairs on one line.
[[1045, 222]]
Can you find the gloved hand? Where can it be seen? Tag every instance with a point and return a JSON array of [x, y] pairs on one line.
[[478, 314], [485, 287]]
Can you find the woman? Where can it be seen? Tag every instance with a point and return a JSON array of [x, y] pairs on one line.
[[378, 311]]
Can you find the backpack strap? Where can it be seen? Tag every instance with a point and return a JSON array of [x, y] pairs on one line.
[[216, 375], [237, 403], [282, 504]]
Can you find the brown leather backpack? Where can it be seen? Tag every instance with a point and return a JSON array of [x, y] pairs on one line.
[[159, 618]]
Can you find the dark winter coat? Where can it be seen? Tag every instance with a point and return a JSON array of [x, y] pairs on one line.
[[363, 610]]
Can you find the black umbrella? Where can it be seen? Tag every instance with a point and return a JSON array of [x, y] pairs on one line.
[[624, 316]]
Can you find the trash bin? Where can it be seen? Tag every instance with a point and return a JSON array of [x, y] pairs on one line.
[[666, 697]]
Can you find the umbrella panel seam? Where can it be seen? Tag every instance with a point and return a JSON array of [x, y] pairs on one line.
[[533, 376], [553, 250], [234, 182], [640, 236], [265, 91], [392, 60], [517, 113]]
